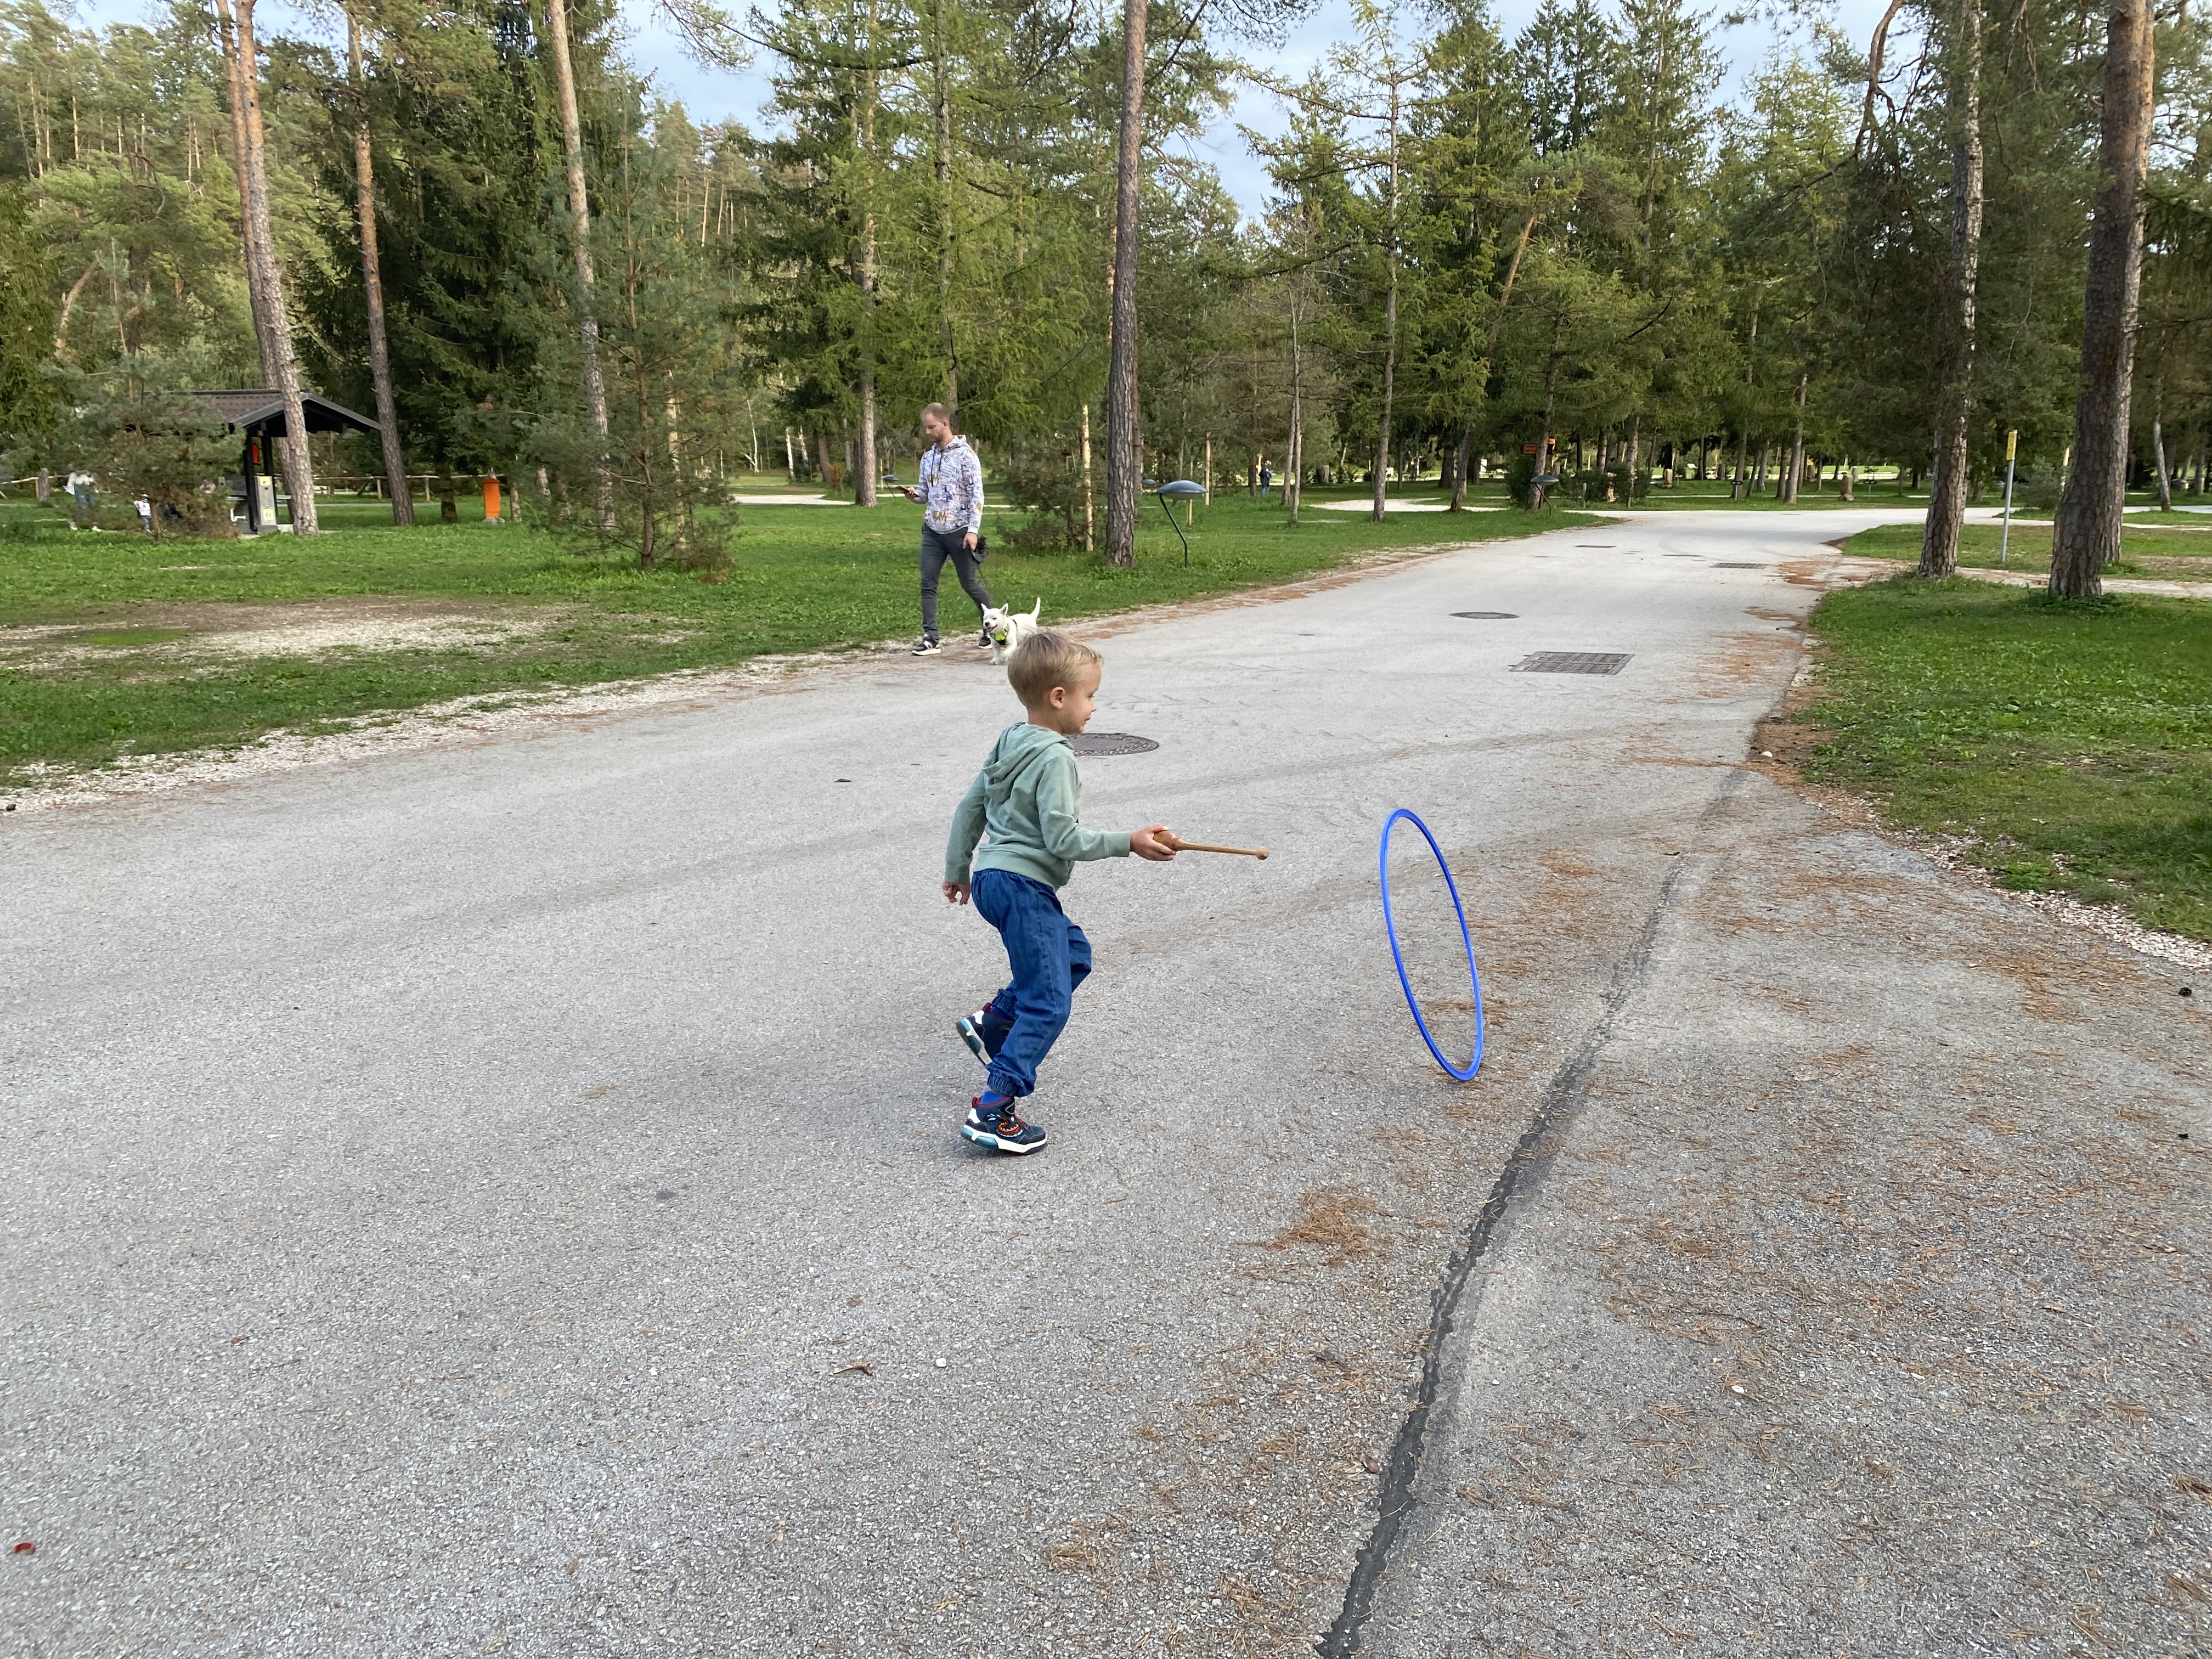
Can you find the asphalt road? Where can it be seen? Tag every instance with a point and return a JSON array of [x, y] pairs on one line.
[[505, 1198]]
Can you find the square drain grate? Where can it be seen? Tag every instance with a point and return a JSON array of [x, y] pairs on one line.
[[1730, 564], [1573, 662], [1109, 743]]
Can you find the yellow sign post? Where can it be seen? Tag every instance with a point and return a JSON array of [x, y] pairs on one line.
[[2005, 536]]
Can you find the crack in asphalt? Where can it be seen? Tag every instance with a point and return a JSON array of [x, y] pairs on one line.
[[1522, 1177]]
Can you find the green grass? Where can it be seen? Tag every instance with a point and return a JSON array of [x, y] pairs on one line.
[[2069, 745], [122, 661], [2169, 546]]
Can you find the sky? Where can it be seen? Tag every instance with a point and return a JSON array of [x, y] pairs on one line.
[[717, 94], [714, 94]]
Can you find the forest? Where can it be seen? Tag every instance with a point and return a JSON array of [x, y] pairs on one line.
[[1556, 255]]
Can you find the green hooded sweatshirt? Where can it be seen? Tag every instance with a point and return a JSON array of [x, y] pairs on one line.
[[1029, 800]]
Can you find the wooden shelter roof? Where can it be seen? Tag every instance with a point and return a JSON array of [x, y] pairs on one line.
[[258, 408]]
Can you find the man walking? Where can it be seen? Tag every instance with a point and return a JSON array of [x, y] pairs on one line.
[[950, 486]]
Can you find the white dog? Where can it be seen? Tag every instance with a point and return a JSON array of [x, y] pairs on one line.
[[1007, 628]]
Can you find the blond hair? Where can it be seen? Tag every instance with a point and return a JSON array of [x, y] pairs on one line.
[[1047, 658]]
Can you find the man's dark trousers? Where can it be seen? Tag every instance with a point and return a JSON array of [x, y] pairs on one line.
[[938, 546]]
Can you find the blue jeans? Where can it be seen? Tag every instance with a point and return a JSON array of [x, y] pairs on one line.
[[1050, 958], [938, 546]]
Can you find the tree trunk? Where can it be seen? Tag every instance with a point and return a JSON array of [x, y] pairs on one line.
[[944, 99], [1797, 448], [1090, 514], [864, 485], [1480, 376], [1946, 488], [1259, 456], [264, 278], [579, 236], [1294, 460], [2087, 536], [2158, 443], [371, 282], [1741, 486], [1539, 493], [1635, 437], [1124, 458], [1389, 325], [257, 301]]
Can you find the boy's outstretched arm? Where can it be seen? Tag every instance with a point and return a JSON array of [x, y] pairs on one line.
[[960, 845], [1065, 838]]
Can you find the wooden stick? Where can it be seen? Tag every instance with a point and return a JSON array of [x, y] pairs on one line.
[[1177, 844]]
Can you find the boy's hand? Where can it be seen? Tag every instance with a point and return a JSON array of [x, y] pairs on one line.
[[1145, 843], [955, 892], [909, 492]]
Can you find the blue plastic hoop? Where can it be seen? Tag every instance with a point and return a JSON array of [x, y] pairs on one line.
[[1390, 925]]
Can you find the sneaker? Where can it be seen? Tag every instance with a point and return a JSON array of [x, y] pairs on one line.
[[970, 1027], [998, 1128], [926, 646], [984, 639]]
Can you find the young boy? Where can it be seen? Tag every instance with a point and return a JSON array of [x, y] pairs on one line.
[[1028, 799]]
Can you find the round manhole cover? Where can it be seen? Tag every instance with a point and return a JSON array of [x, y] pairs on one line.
[[1109, 743], [1487, 616]]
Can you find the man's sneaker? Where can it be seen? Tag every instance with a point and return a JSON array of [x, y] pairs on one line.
[[997, 1128], [970, 1027], [926, 646], [984, 639]]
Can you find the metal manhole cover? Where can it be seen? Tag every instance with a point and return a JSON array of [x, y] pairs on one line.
[[1729, 564], [1109, 743], [1487, 616], [1573, 662]]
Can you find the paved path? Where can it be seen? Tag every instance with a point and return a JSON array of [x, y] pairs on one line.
[[505, 1199]]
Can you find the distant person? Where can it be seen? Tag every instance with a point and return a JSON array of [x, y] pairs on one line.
[[1266, 477], [145, 515], [1025, 806], [948, 483], [80, 486]]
